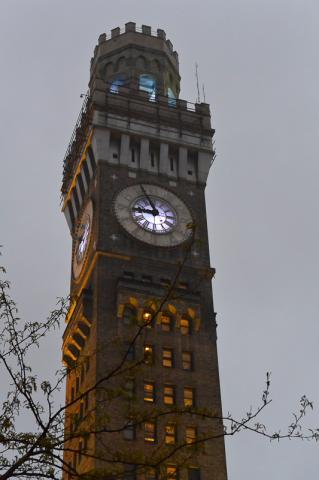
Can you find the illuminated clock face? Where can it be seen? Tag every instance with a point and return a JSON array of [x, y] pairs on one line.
[[153, 215], [82, 239]]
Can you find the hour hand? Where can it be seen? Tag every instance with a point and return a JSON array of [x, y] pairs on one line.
[[154, 211], [144, 210]]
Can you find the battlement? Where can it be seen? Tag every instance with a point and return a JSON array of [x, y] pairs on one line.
[[144, 30]]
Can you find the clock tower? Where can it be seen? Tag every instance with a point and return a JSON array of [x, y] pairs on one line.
[[143, 389]]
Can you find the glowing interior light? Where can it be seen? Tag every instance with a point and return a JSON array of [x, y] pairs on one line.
[[171, 98], [147, 83], [117, 83]]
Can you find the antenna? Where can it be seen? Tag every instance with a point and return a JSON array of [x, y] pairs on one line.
[[197, 83], [204, 95]]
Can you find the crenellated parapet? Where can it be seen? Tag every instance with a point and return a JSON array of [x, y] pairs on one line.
[[125, 55]]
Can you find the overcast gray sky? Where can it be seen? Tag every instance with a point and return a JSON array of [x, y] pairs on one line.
[[259, 62]]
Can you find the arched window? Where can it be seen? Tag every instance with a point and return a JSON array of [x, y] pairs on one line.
[[129, 315], [185, 325], [147, 83], [171, 97], [117, 83]]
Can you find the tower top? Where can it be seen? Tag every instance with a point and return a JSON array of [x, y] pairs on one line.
[[124, 56]]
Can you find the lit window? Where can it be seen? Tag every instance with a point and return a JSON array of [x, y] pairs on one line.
[[169, 395], [188, 397], [190, 434], [129, 431], [171, 472], [148, 319], [150, 432], [185, 326], [148, 354], [167, 358], [170, 434], [117, 83], [149, 392], [171, 98], [147, 83], [193, 473], [129, 315], [166, 323], [187, 360]]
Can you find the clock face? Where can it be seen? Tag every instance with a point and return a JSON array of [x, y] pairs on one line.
[[153, 215], [83, 239], [83, 234]]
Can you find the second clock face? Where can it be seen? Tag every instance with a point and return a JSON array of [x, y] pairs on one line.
[[83, 233], [153, 215]]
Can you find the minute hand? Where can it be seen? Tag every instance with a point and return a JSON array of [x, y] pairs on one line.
[[155, 211]]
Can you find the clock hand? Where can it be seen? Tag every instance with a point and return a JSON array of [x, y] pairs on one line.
[[142, 210], [155, 211]]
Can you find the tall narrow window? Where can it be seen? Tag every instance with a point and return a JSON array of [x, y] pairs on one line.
[[147, 83], [148, 354], [170, 434], [152, 159], [190, 435], [166, 323], [133, 155], [171, 163], [130, 352], [86, 402], [171, 472], [187, 360], [171, 97], [81, 410], [149, 392], [167, 358], [189, 397], [169, 395], [80, 450], [150, 432], [129, 315], [193, 473], [129, 431], [148, 319], [129, 388], [117, 83], [185, 326]]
